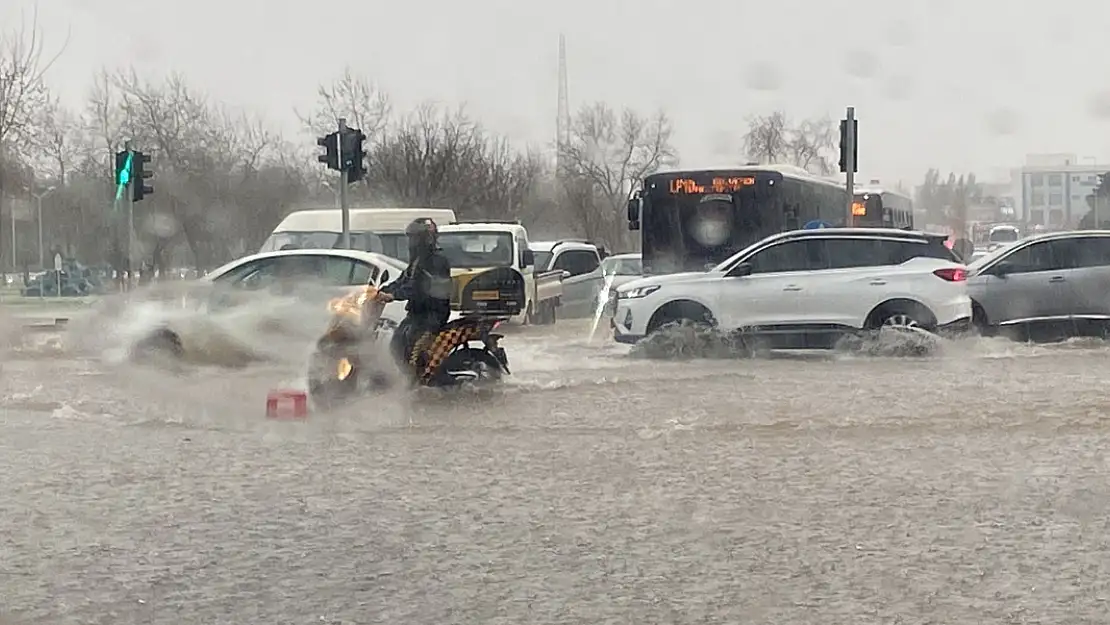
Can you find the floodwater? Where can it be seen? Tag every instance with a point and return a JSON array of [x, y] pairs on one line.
[[595, 487]]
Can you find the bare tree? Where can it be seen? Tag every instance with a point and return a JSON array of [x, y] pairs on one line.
[[58, 140], [224, 179], [775, 139], [22, 93], [767, 139], [354, 98], [811, 145], [606, 152], [22, 88]]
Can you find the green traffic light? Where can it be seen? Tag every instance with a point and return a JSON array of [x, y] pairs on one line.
[[124, 176]]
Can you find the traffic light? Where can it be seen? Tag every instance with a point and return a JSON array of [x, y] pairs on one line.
[[122, 175], [844, 146], [330, 157], [354, 156], [139, 175]]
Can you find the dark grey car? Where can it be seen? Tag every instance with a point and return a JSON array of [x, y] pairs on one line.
[[1044, 287]]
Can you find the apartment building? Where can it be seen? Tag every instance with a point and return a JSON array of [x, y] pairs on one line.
[[1054, 188]]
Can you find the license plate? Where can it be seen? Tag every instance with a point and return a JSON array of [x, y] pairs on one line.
[[486, 296]]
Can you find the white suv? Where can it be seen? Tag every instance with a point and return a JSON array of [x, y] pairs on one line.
[[807, 288]]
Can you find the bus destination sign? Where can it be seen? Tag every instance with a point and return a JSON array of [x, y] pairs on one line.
[[721, 184]]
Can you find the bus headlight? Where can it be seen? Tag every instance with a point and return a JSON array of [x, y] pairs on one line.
[[638, 292]]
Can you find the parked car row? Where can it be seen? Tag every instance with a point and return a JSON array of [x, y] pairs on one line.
[[806, 289]]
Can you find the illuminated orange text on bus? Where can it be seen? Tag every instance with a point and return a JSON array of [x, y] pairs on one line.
[[858, 209], [725, 185], [685, 185], [716, 185]]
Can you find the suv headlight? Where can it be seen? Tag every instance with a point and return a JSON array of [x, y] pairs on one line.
[[637, 293]]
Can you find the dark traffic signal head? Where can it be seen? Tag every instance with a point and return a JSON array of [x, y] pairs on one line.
[[139, 175], [844, 145], [330, 157], [354, 155]]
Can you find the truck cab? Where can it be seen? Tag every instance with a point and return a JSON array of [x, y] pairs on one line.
[[475, 247], [579, 261]]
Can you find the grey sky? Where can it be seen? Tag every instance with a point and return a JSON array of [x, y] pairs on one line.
[[940, 71]]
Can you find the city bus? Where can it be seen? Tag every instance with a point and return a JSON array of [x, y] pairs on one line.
[[693, 219], [878, 208]]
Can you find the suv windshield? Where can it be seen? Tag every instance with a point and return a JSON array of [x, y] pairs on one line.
[[477, 249]]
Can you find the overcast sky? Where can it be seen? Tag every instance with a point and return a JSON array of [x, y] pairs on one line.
[[972, 85]]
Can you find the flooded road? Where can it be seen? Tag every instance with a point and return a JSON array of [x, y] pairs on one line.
[[594, 488]]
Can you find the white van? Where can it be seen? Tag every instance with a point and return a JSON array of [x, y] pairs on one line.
[[380, 230]]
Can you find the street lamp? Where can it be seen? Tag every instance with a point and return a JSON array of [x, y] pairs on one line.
[[38, 198]]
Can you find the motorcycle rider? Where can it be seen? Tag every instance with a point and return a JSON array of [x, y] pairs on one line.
[[426, 286]]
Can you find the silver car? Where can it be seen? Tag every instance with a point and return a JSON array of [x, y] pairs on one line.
[[1044, 286]]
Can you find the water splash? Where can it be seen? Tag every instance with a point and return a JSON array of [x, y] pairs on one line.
[[602, 302]]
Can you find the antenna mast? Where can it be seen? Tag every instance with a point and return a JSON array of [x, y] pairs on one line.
[[562, 120]]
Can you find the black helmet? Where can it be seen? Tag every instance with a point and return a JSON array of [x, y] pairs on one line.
[[422, 234]]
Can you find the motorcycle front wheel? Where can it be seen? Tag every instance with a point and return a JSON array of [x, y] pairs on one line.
[[333, 379]]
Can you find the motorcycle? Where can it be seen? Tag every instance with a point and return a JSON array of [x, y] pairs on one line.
[[346, 361]]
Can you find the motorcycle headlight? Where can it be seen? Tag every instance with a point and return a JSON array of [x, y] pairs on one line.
[[637, 293]]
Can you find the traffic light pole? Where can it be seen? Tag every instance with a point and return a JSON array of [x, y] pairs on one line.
[[850, 175], [344, 209], [129, 197]]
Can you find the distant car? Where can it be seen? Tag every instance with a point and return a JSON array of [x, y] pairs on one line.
[[1044, 286], [806, 289]]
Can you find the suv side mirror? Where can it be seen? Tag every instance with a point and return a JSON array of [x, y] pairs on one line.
[[527, 258], [741, 270]]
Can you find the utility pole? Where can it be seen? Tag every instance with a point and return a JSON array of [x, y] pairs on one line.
[[849, 158]]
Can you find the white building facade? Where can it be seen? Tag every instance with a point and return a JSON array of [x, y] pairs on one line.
[[1054, 188]]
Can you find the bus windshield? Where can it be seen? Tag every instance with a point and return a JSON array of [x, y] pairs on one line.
[[694, 232]]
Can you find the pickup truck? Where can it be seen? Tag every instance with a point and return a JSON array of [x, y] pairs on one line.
[[474, 247], [583, 279]]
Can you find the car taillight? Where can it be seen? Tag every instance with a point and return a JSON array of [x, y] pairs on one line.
[[954, 274]]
